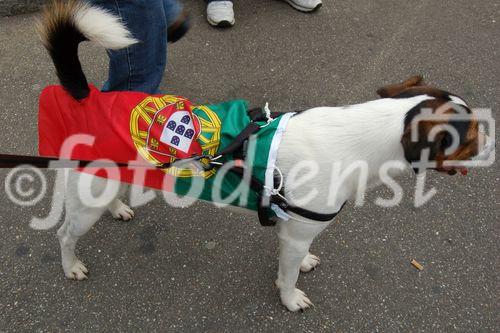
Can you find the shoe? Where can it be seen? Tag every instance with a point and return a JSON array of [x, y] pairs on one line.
[[178, 29], [305, 5], [220, 14]]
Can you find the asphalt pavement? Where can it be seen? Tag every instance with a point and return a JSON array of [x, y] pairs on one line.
[[206, 270]]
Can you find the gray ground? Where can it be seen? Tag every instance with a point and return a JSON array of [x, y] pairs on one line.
[[200, 269], [14, 7]]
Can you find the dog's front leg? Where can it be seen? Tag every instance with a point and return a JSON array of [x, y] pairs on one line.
[[295, 239]]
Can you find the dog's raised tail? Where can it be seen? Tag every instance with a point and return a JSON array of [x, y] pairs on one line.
[[64, 24]]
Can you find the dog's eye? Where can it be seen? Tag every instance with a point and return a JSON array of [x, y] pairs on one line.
[[446, 141]]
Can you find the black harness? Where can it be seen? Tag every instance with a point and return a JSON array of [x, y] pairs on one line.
[[238, 150]]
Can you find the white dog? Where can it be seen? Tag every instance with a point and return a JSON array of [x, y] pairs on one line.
[[316, 151]]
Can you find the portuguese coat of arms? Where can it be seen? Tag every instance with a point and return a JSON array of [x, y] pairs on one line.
[[166, 128], [173, 133]]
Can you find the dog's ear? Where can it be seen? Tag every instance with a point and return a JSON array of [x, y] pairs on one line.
[[395, 89]]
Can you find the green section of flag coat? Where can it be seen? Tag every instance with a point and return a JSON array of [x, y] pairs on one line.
[[233, 119]]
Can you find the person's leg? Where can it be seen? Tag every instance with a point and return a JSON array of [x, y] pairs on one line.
[[173, 9], [177, 20], [139, 67], [220, 13]]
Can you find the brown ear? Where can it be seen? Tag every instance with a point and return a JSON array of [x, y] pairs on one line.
[[395, 89]]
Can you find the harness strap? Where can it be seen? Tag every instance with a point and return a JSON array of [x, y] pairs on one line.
[[257, 187], [251, 128], [258, 114], [255, 114], [263, 207], [313, 215], [320, 217]]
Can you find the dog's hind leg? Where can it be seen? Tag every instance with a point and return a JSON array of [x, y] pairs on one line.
[[118, 209], [309, 262], [295, 239], [79, 219]]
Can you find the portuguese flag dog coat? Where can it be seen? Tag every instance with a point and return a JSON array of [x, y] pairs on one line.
[[158, 130]]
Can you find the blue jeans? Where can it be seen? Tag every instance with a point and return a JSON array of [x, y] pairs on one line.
[[140, 67]]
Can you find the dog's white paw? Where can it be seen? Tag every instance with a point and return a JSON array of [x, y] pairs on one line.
[[122, 212], [77, 272], [295, 300], [309, 262]]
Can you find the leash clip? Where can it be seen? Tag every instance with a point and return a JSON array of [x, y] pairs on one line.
[[202, 163], [206, 162]]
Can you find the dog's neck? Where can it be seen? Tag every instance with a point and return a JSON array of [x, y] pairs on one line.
[[336, 140]]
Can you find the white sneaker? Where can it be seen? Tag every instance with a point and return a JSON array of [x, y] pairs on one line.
[[220, 13], [305, 5]]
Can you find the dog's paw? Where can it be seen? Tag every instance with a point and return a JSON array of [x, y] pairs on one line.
[[295, 300], [309, 262], [76, 272], [122, 212]]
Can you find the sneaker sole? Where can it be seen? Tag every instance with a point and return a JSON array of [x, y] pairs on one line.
[[221, 24], [303, 9]]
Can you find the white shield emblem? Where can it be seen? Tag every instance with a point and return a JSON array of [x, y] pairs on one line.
[[178, 131]]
